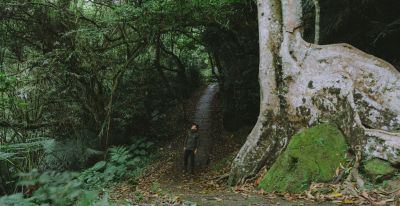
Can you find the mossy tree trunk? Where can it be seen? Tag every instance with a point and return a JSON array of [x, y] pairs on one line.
[[303, 84]]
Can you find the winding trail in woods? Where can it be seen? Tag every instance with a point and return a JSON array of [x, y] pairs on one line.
[[203, 188], [203, 117]]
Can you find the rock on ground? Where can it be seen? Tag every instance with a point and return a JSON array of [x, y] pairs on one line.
[[311, 156]]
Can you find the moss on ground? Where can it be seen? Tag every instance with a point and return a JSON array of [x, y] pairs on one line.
[[377, 169], [222, 163], [311, 156]]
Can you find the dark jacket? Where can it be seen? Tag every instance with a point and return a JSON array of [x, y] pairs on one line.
[[192, 140]]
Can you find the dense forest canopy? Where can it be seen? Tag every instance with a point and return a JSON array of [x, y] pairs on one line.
[[90, 74], [82, 81]]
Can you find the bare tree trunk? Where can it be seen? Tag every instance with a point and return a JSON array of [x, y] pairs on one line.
[[260, 144], [180, 66], [317, 21], [304, 84], [105, 126], [157, 64]]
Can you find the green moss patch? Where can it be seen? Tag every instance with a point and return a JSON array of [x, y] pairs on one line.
[[311, 156], [378, 169], [222, 163]]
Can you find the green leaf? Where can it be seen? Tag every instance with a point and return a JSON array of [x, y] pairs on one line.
[[99, 165]]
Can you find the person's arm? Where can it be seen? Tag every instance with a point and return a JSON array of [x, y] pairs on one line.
[[184, 143], [197, 143]]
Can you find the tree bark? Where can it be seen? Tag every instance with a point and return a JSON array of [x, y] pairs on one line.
[[317, 21], [304, 84], [259, 145], [180, 66], [157, 64]]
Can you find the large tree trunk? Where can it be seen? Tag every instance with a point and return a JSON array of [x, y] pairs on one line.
[[303, 84]]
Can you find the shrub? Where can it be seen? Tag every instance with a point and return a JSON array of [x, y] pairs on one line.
[[84, 188], [53, 188], [122, 163]]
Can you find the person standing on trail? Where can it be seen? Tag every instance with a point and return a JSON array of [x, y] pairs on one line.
[[190, 147]]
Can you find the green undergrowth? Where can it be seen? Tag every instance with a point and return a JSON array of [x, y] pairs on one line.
[[378, 170], [222, 163], [311, 156], [88, 187], [392, 184]]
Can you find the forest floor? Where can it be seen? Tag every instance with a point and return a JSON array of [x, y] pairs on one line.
[[164, 183]]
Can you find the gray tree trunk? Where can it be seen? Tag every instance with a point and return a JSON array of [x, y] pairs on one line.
[[317, 21], [303, 84]]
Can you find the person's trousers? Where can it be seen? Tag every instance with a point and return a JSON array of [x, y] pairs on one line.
[[188, 157]]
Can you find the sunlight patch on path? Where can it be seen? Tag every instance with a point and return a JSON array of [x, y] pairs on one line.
[[203, 117]]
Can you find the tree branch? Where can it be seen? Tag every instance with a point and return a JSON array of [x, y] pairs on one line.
[[32, 126]]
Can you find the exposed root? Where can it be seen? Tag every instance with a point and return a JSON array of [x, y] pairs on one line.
[[348, 187], [221, 178]]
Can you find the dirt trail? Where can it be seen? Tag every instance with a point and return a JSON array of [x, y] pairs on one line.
[[203, 117], [203, 188]]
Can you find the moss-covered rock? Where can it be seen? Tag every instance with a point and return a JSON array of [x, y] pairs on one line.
[[378, 169], [311, 156]]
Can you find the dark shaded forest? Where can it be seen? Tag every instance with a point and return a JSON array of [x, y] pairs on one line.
[[93, 92]]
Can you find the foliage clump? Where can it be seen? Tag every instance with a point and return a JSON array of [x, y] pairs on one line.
[[122, 163], [82, 188], [311, 156], [222, 163], [378, 169]]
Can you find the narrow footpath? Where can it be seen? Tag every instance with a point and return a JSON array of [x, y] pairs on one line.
[[205, 188], [165, 183], [203, 117]]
